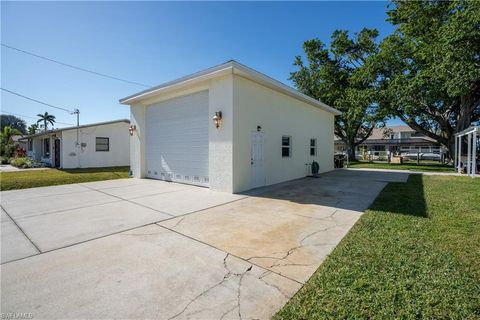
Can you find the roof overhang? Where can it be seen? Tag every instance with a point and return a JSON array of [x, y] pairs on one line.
[[55, 131], [230, 67]]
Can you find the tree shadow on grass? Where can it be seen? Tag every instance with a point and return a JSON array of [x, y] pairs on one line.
[[403, 198]]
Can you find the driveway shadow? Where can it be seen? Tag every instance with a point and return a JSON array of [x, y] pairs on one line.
[[343, 189]]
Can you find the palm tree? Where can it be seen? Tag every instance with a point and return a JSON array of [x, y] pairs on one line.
[[32, 129], [46, 119]]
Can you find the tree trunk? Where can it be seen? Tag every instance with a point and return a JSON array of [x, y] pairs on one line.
[[451, 148], [350, 145], [464, 120]]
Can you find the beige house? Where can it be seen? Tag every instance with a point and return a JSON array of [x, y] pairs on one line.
[[396, 140], [229, 128]]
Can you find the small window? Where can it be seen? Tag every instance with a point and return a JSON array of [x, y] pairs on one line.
[[286, 146], [313, 147], [30, 145], [46, 147], [102, 144]]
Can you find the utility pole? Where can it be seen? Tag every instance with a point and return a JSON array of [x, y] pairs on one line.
[[77, 112]]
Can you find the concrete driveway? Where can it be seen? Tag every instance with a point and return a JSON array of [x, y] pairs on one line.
[[151, 249]]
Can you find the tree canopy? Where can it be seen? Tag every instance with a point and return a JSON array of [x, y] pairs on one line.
[[336, 76], [33, 128], [13, 122], [428, 70]]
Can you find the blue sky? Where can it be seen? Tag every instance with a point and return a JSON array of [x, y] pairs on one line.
[[154, 42]]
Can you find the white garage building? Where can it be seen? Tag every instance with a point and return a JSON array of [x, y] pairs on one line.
[[267, 132]]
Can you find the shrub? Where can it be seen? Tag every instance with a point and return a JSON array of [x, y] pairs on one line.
[[22, 162], [7, 150], [4, 160]]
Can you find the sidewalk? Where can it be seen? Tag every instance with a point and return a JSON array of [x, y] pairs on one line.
[[10, 168], [428, 173]]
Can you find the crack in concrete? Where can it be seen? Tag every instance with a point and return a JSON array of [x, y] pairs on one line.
[[188, 315], [139, 234], [227, 312], [178, 222], [276, 287], [279, 260], [239, 306], [316, 232], [225, 278], [264, 274], [327, 218]]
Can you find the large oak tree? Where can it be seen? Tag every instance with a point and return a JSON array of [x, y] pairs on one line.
[[335, 76], [428, 70]]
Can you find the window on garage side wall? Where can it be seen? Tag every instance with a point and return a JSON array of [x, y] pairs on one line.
[[102, 144], [286, 146], [313, 147]]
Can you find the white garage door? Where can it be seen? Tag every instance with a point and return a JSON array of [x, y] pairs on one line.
[[176, 139]]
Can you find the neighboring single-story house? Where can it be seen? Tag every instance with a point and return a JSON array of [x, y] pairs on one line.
[[401, 140], [104, 144], [18, 142], [229, 128]]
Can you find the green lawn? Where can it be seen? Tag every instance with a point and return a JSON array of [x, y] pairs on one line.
[[51, 177], [415, 254], [424, 166]]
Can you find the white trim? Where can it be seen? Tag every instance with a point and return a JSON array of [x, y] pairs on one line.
[[456, 149], [471, 161], [289, 146], [474, 156], [459, 154], [49, 132], [468, 131], [314, 147], [469, 154], [230, 67]]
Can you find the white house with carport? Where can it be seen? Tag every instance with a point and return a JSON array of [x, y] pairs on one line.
[[104, 144], [229, 128]]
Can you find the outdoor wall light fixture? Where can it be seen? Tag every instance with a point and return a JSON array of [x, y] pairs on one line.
[[217, 119], [132, 128]]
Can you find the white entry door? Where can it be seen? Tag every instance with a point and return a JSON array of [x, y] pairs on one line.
[[176, 144], [258, 159]]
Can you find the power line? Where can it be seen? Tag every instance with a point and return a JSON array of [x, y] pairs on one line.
[[29, 117], [75, 67], [37, 101]]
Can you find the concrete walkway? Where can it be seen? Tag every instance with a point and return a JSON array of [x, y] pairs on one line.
[[427, 173], [150, 249], [10, 168]]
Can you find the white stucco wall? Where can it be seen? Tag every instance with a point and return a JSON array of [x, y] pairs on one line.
[[86, 157], [137, 141], [220, 140], [277, 114], [245, 105]]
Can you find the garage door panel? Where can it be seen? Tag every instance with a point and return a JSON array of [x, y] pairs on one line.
[[177, 139]]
